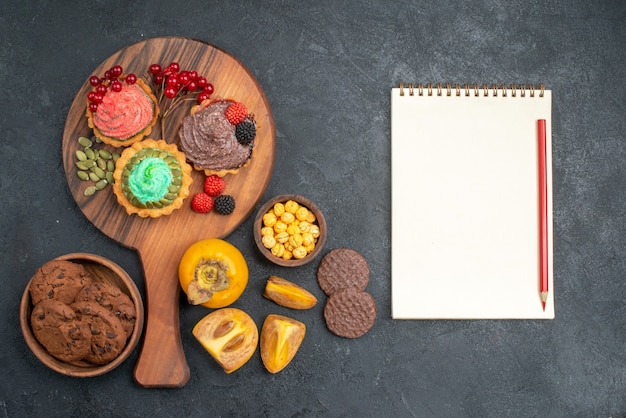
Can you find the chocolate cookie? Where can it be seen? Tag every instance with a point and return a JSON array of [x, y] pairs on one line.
[[114, 300], [342, 268], [350, 312], [107, 333], [58, 280], [56, 327]]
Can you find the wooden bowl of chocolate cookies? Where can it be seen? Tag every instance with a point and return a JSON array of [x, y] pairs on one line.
[[81, 315], [289, 230]]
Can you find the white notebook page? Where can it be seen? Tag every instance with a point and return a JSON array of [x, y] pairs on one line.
[[465, 215]]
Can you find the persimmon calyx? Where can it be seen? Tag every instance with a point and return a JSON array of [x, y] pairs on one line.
[[210, 276]]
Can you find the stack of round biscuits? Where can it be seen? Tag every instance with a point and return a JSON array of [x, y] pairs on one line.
[[343, 274]]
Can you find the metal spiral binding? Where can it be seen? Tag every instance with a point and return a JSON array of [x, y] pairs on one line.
[[474, 89]]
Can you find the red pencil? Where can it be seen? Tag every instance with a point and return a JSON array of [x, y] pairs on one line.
[[543, 213]]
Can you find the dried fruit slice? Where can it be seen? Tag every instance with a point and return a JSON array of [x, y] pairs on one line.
[[229, 335], [288, 294], [280, 340]]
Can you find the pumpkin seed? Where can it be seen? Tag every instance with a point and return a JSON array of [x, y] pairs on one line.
[[93, 177], [90, 154], [109, 177], [99, 172], [89, 163], [81, 165], [110, 165], [89, 191], [101, 184], [105, 154], [137, 203], [83, 175], [115, 156], [84, 141], [80, 155]]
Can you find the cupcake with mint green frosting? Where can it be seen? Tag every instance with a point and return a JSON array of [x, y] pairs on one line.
[[152, 178]]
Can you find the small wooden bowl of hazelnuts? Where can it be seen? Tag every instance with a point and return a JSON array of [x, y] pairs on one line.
[[290, 230]]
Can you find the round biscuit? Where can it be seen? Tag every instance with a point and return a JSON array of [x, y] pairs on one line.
[[108, 336], [350, 312], [112, 298], [57, 329], [59, 280], [342, 268]]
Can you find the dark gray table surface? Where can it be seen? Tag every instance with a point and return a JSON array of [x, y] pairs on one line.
[[327, 68]]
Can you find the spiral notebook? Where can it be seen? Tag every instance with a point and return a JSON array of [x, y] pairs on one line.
[[465, 201]]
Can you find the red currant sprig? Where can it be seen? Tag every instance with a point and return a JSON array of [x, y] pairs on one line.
[[112, 80], [176, 85]]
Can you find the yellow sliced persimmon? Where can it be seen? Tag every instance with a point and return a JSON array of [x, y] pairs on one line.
[[288, 294], [281, 338], [229, 335]]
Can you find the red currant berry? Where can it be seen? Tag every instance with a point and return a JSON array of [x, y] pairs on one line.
[[174, 66], [97, 98], [158, 79], [170, 92], [191, 86], [155, 69], [131, 78], [116, 70], [90, 95], [102, 89], [116, 86], [94, 80], [93, 107], [208, 88], [203, 96], [171, 81], [202, 82], [183, 78], [193, 74], [107, 74]]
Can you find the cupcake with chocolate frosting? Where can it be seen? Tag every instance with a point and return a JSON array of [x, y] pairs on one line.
[[218, 137]]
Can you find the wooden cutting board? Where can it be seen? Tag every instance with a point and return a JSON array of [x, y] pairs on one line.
[[161, 242]]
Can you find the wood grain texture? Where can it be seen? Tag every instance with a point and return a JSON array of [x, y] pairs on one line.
[[161, 242]]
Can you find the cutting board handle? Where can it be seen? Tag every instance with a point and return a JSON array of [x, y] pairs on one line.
[[162, 360]]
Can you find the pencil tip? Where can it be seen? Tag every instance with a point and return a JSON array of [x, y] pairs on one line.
[[543, 304]]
